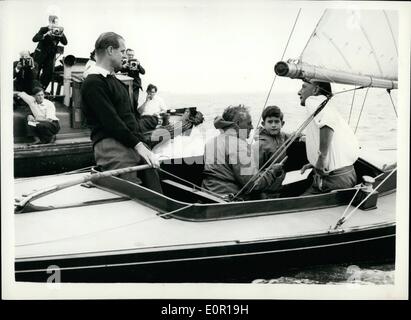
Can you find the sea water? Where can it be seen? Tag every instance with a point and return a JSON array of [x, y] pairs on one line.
[[373, 119]]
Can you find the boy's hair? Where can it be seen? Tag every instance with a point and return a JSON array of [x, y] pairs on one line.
[[151, 86], [129, 49], [37, 90], [272, 111], [234, 113], [106, 40]]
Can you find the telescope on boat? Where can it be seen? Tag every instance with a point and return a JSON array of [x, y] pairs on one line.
[[349, 47], [309, 72]]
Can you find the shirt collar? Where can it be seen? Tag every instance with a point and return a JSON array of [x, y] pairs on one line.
[[98, 70]]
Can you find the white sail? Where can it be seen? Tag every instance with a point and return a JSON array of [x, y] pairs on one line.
[[352, 47]]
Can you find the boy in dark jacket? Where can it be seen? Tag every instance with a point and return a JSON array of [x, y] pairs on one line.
[[269, 137]]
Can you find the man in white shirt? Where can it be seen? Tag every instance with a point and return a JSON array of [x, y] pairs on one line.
[[43, 123], [153, 105], [332, 147]]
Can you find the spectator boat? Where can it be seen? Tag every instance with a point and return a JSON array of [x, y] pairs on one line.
[[117, 231], [72, 149]]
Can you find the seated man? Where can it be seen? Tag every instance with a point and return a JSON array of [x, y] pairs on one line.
[[228, 163], [332, 147], [150, 111], [43, 124], [25, 73]]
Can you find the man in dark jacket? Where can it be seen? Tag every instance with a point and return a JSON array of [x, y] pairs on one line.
[[133, 69], [25, 73], [48, 38], [118, 141]]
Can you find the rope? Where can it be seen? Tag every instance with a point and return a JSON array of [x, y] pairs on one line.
[[282, 57], [344, 219], [191, 183], [352, 105], [362, 107], [346, 209], [392, 102]]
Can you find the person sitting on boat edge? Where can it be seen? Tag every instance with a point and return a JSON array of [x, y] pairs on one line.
[[152, 109], [43, 124], [228, 161], [332, 147], [118, 140]]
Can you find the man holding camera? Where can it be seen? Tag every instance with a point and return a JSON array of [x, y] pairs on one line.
[[48, 39], [133, 68], [25, 73]]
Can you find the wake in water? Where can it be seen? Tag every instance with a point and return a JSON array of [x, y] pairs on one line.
[[338, 274]]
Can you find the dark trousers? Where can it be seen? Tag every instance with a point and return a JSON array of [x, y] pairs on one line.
[[111, 154], [45, 130], [45, 72]]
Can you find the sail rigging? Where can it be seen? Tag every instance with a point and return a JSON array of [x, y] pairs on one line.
[[350, 47]]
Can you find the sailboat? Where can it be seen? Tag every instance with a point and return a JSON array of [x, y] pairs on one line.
[[118, 231]]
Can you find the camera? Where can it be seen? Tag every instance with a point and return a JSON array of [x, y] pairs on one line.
[[57, 31], [124, 61], [133, 64], [26, 62]]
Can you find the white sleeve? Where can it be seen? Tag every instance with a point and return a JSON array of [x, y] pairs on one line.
[[51, 110]]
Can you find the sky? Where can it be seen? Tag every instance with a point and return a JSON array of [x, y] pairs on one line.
[[185, 46]]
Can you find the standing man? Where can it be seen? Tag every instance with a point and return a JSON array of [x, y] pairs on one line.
[[332, 148], [133, 69], [48, 39], [117, 139]]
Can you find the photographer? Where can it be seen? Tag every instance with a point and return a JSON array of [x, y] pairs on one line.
[[48, 38], [133, 69], [25, 73]]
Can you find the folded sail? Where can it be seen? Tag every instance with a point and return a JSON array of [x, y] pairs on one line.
[[351, 47]]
